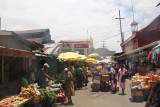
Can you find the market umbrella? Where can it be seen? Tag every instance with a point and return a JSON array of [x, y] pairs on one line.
[[106, 61], [68, 56], [81, 58], [90, 60], [93, 55]]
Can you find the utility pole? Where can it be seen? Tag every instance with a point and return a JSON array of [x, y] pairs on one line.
[[87, 35], [103, 45], [120, 18]]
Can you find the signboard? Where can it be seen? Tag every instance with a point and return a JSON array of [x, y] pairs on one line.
[[66, 46], [81, 45]]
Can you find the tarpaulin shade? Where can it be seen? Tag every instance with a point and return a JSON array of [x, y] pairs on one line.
[[16, 53]]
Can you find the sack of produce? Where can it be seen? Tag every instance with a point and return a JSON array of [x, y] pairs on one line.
[[95, 87], [107, 86], [103, 86]]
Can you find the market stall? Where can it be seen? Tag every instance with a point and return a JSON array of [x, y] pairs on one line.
[[141, 86]]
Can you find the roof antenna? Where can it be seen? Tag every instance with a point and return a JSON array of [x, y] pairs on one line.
[[132, 10], [134, 24]]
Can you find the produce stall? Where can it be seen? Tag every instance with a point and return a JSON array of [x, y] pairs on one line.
[[28, 95], [56, 87], [141, 86], [13, 101]]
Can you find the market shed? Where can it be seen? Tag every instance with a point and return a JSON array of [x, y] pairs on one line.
[[15, 56]]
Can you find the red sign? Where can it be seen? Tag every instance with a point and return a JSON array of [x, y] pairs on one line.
[[81, 45], [66, 45]]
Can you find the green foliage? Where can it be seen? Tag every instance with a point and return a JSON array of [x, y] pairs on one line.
[[46, 95]]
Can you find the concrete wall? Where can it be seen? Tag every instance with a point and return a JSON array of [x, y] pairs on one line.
[[9, 42]]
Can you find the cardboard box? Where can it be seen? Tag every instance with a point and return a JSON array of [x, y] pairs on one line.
[[97, 78], [105, 78], [104, 72], [134, 83], [96, 81], [151, 83]]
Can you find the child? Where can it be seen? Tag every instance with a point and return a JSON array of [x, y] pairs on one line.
[[114, 84]]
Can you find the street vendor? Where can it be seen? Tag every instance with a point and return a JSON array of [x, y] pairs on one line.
[[42, 76], [31, 76], [69, 89], [24, 81]]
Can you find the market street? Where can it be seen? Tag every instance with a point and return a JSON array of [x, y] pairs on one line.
[[87, 98]]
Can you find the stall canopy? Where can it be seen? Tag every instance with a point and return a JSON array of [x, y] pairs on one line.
[[16, 53]]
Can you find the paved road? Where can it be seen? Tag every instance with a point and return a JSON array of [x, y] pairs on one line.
[[87, 98]]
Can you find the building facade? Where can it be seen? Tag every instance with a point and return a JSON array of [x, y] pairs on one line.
[[147, 35], [38, 35], [82, 46]]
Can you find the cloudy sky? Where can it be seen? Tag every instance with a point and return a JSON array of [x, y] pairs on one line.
[[70, 19]]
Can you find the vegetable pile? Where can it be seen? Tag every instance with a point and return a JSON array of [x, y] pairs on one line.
[[29, 92], [48, 96]]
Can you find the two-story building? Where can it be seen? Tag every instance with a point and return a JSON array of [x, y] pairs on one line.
[[140, 43]]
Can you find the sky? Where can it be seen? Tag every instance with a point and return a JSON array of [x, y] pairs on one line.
[[70, 19]]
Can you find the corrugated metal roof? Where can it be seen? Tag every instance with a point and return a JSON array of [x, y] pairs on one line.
[[51, 48], [31, 31], [78, 40]]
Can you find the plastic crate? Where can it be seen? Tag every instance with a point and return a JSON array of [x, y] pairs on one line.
[[146, 92], [137, 98], [145, 97], [133, 90], [137, 93]]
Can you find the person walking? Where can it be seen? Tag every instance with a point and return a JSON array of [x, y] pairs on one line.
[[69, 89], [122, 73]]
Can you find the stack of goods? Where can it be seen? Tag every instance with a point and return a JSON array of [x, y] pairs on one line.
[[96, 84], [29, 92], [105, 83], [61, 97], [137, 95], [143, 83], [153, 80], [13, 101]]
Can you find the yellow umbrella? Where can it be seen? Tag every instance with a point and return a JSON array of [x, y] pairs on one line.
[[68, 56], [93, 55], [82, 58], [90, 60]]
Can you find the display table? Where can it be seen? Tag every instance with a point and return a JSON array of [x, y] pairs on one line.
[[13, 101], [56, 90]]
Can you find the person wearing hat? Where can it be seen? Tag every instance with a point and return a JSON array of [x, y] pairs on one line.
[[69, 89], [42, 76]]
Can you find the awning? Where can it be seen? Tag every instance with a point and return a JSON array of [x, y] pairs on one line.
[[42, 56], [16, 53], [139, 51]]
